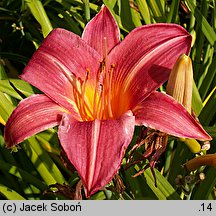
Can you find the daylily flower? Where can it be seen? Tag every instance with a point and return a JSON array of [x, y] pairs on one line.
[[97, 89]]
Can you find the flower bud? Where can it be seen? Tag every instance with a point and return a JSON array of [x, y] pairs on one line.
[[192, 144], [180, 86], [180, 83], [195, 163]]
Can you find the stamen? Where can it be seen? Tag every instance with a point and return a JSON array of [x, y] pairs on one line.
[[105, 53], [79, 90], [100, 93], [109, 91], [83, 91], [100, 105], [98, 88], [78, 100]]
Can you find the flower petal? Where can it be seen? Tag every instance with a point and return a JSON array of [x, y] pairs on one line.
[[162, 112], [33, 114], [61, 57], [96, 148], [144, 59], [103, 25]]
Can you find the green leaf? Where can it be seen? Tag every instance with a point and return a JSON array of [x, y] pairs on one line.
[[5, 87], [98, 196], [22, 174], [192, 20], [138, 186], [179, 157], [209, 111], [6, 107], [136, 18], [10, 194], [66, 21], [207, 30], [125, 15], [164, 190], [206, 84], [24, 87], [199, 44], [168, 157], [87, 9], [196, 100], [144, 10], [207, 57], [47, 146], [157, 10], [14, 57], [40, 15], [211, 131], [80, 3], [7, 172], [202, 191], [11, 181], [209, 96], [172, 16], [2, 71], [42, 162], [47, 164], [110, 3]]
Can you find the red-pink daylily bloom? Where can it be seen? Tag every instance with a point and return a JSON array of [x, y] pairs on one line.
[[97, 89]]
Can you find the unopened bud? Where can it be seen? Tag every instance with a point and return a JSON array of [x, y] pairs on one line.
[[195, 163], [192, 144], [180, 83], [180, 86]]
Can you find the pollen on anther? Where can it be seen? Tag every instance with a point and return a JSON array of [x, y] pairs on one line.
[[87, 72]]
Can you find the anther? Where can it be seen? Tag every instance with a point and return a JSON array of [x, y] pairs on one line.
[[87, 73]]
